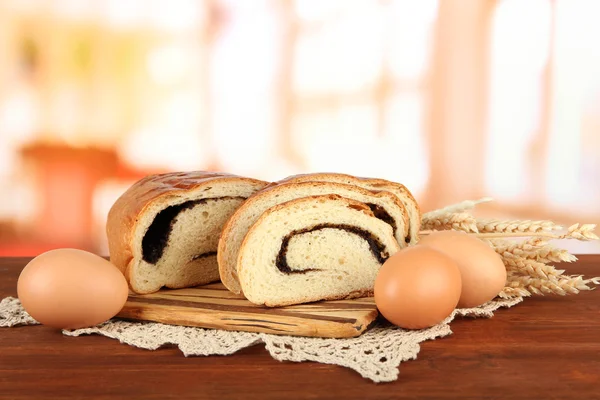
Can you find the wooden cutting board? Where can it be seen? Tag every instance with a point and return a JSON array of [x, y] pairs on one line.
[[213, 306]]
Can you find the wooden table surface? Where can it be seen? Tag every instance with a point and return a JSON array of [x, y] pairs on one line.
[[544, 348]]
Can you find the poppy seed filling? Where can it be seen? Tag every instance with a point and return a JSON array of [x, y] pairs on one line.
[[382, 214], [377, 248], [157, 235]]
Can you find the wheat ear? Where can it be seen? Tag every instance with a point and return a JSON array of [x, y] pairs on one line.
[[499, 226], [563, 285], [452, 221], [453, 209], [583, 232], [529, 267], [511, 292], [531, 249]]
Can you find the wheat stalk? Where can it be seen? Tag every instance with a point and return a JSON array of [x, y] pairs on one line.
[[578, 232], [453, 209], [562, 285], [511, 246], [452, 221], [583, 232], [515, 226], [528, 272], [511, 292], [531, 249], [530, 267]]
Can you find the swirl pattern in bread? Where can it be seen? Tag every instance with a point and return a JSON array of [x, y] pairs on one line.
[[385, 205], [164, 230], [314, 248]]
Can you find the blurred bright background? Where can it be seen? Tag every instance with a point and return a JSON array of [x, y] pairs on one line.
[[457, 99]]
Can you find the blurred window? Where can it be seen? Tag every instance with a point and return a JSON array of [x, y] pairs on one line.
[[360, 86], [545, 104]]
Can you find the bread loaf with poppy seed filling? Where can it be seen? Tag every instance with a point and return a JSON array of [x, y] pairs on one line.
[[384, 205], [164, 230], [314, 248]]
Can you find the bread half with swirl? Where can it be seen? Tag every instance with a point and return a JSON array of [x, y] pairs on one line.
[[405, 196], [164, 230], [384, 205], [314, 248]]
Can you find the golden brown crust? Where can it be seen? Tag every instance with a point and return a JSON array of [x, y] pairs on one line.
[[374, 182], [125, 212], [314, 178]]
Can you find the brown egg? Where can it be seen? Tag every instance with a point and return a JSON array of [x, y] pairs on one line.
[[70, 289], [417, 287], [482, 270]]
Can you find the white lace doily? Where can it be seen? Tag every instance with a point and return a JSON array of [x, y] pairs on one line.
[[375, 355]]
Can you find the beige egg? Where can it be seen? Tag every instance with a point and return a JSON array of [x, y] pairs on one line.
[[482, 270], [417, 287], [70, 289]]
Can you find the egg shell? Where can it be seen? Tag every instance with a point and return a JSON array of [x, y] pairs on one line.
[[71, 288], [418, 287], [482, 270]]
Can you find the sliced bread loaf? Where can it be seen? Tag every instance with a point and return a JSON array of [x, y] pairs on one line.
[[385, 206], [405, 196], [314, 248], [164, 230]]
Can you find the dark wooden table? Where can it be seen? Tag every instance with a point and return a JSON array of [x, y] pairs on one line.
[[544, 348]]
